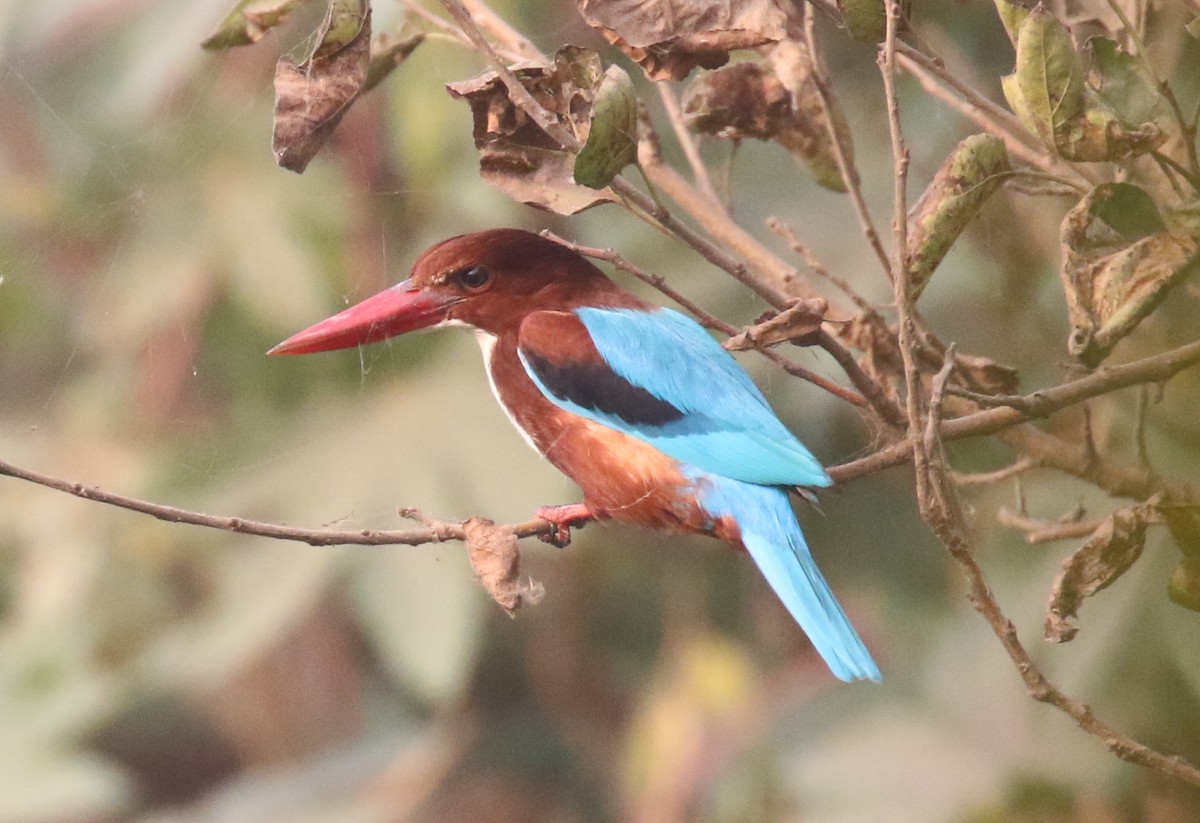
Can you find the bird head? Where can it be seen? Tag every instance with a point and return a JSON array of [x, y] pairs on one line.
[[489, 280]]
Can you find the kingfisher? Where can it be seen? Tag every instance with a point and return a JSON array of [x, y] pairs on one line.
[[638, 404]]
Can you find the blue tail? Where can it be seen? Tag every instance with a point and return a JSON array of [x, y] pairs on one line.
[[773, 538]]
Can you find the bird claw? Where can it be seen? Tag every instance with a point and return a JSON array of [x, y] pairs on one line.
[[563, 518]]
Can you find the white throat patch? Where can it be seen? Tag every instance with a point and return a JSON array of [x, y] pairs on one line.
[[487, 345]]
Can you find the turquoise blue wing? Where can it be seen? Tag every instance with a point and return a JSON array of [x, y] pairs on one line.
[[660, 377]]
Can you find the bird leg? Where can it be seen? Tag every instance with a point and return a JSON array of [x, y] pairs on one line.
[[563, 518]]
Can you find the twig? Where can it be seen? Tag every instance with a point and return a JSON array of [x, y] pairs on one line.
[[687, 141], [520, 95], [937, 394], [900, 277], [495, 25], [888, 411], [997, 476], [1046, 531], [433, 531], [1038, 445], [1029, 404], [443, 25], [951, 532], [841, 154], [814, 264], [706, 318], [765, 273]]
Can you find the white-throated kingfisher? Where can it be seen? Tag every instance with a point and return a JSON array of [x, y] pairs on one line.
[[636, 403]]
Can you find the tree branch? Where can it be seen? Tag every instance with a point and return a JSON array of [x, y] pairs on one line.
[[1046, 449], [431, 532]]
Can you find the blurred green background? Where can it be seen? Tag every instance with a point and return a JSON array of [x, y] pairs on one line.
[[150, 253]]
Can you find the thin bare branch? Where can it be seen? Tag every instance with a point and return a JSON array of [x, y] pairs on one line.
[[1046, 531], [814, 263], [1037, 445], [988, 478], [687, 141], [432, 532], [841, 153]]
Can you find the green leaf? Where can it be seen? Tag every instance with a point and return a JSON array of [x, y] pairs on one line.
[[612, 141], [248, 22], [866, 20], [1123, 82], [1184, 586], [1049, 74], [1012, 15], [965, 180], [386, 57], [1193, 28], [343, 22]]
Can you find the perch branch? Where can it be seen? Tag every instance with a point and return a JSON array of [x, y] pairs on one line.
[[431, 532]]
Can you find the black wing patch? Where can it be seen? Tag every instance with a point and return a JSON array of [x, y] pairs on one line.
[[598, 388]]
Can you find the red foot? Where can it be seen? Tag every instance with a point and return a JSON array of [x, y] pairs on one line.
[[564, 518]]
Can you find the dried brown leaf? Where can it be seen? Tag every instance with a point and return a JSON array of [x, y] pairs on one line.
[[799, 320], [1119, 263], [736, 102], [774, 99], [669, 38], [869, 333], [1109, 553], [495, 555], [515, 154], [312, 97]]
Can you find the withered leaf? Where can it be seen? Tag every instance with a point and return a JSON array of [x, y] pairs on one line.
[[869, 333], [985, 375], [669, 38], [776, 99], [312, 97], [800, 319], [953, 198], [736, 102], [1111, 550], [1119, 263], [248, 22], [495, 555], [515, 154]]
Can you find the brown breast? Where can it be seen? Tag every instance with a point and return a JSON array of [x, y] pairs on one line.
[[622, 478]]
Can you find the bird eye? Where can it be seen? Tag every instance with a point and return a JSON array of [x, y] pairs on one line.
[[475, 277]]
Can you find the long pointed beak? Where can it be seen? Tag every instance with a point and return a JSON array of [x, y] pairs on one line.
[[400, 309]]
